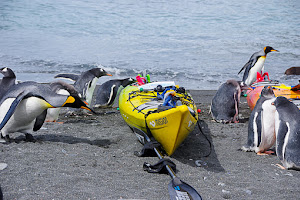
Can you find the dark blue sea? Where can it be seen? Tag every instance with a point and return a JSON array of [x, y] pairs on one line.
[[197, 43]]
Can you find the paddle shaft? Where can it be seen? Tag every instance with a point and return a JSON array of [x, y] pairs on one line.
[[160, 156], [170, 170]]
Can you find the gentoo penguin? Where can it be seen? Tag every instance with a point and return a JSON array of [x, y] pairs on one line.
[[261, 127], [254, 65], [225, 104], [59, 87], [287, 127], [7, 81], [107, 92], [23, 107], [85, 83]]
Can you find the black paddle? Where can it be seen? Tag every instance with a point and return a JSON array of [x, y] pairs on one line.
[[178, 189]]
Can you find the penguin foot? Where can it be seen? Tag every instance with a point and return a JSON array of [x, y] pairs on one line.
[[29, 138], [280, 166], [269, 152], [6, 139]]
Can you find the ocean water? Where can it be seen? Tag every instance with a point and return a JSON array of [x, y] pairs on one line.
[[198, 44]]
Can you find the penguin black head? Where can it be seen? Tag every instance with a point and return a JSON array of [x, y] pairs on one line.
[[76, 102], [128, 81], [98, 72], [268, 49], [267, 91], [281, 101], [7, 72]]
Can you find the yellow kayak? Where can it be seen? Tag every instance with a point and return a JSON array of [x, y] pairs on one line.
[[169, 125]]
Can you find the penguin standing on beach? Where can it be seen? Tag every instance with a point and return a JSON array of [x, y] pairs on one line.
[[261, 127], [255, 64], [7, 81], [59, 87], [287, 126], [24, 107], [225, 104], [107, 92], [85, 83]]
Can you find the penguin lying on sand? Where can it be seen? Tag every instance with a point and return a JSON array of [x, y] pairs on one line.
[[225, 104], [24, 107], [63, 88], [287, 126], [107, 92], [254, 65], [261, 127], [85, 83], [7, 81]]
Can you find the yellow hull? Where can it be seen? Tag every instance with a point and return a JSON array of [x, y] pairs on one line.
[[169, 127]]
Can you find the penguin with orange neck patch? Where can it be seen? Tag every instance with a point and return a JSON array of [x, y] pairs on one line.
[[24, 107], [255, 64]]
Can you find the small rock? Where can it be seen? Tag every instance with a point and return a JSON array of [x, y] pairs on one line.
[[248, 192], [3, 166], [226, 194], [221, 184]]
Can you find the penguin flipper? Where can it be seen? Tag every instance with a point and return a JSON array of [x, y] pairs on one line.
[[12, 108], [245, 66], [72, 77], [40, 121]]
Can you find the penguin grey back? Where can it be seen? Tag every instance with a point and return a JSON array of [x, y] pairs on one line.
[[287, 133], [225, 103]]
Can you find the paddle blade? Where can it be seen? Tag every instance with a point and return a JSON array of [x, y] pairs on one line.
[[180, 190]]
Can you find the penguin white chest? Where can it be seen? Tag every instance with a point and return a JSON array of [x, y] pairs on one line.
[[256, 68], [268, 124], [25, 113], [90, 90]]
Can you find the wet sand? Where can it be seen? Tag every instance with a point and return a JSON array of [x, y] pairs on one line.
[[92, 157]]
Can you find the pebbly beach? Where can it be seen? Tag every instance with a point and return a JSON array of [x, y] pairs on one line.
[[92, 157]]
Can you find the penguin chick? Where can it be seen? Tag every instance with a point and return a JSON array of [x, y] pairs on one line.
[[108, 91], [287, 127], [7, 81], [255, 64], [261, 127], [225, 103], [23, 107], [85, 83]]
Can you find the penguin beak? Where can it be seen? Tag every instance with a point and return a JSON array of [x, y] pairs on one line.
[[274, 50], [108, 74], [89, 109]]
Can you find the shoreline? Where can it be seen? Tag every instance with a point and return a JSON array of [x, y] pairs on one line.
[[92, 157]]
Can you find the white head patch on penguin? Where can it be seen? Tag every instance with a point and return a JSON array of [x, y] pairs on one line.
[[287, 127], [261, 126]]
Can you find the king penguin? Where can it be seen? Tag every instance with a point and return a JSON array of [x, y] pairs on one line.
[[261, 127], [59, 87], [23, 107], [7, 81], [225, 103], [107, 92], [255, 64], [85, 83], [287, 127]]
